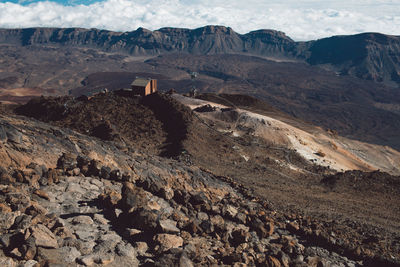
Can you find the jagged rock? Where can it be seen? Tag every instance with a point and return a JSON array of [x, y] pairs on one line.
[[284, 259], [83, 164], [5, 177], [241, 218], [91, 259], [184, 261], [63, 232], [292, 226], [230, 211], [239, 236], [126, 250], [181, 196], [28, 249], [207, 227], [167, 193], [7, 219], [35, 209], [134, 197], [87, 260], [61, 255], [82, 219], [273, 262], [93, 168], [105, 259], [76, 171], [66, 162], [3, 134], [37, 169], [110, 198], [115, 175], [43, 236], [86, 234], [7, 262], [18, 201], [205, 108], [199, 199], [263, 230], [81, 246], [19, 176], [202, 216], [99, 218], [15, 253], [22, 222], [141, 248], [52, 176], [168, 226], [5, 240], [105, 172], [193, 227], [218, 222], [4, 208], [30, 263], [167, 241], [146, 220], [109, 240], [41, 194]]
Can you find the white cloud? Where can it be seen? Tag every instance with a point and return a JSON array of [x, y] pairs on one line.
[[301, 20]]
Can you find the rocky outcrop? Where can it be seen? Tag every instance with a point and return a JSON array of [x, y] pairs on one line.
[[93, 204], [130, 221], [370, 56]]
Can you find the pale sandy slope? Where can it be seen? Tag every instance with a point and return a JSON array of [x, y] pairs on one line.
[[319, 146]]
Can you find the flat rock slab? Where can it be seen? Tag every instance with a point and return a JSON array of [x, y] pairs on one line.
[[43, 236], [59, 255]]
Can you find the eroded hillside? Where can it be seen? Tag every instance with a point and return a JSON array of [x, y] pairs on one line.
[[222, 193]]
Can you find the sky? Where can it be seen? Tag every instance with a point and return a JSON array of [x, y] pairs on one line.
[[299, 19]]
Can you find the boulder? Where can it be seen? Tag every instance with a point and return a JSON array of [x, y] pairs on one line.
[[52, 176], [7, 219], [66, 162], [93, 168], [82, 219], [43, 236], [28, 249], [133, 197], [105, 172], [110, 198], [22, 222], [146, 220], [168, 226], [165, 242]]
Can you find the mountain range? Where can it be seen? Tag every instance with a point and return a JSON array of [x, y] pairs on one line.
[[370, 56]]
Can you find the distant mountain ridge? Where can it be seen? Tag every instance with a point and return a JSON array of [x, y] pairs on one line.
[[370, 56]]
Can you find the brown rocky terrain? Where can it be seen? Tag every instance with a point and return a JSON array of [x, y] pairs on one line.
[[359, 109], [371, 56], [75, 197]]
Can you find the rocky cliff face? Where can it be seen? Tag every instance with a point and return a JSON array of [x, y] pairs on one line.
[[205, 40], [369, 56]]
